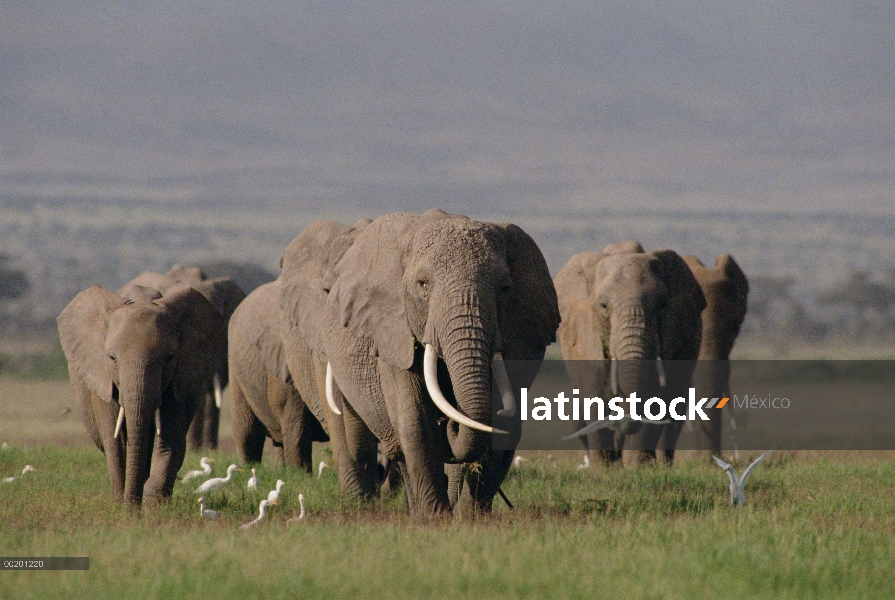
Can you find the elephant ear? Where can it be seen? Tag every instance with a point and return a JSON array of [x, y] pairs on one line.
[[680, 326], [224, 293], [82, 332], [733, 289], [367, 291], [302, 292], [203, 340], [581, 332], [337, 250], [531, 314]]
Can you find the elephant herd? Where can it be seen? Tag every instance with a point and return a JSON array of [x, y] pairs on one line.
[[384, 338]]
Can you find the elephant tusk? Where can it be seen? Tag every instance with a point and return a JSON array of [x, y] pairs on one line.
[[613, 376], [329, 390], [430, 372], [218, 391], [504, 387], [158, 422], [120, 421], [661, 371]]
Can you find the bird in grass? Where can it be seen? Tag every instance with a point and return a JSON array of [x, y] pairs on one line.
[[301, 515], [320, 469], [274, 496], [27, 469], [738, 484], [517, 461], [205, 470], [253, 481], [216, 482], [206, 513], [261, 509], [585, 464]]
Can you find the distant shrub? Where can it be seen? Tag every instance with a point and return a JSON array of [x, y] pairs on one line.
[[40, 365]]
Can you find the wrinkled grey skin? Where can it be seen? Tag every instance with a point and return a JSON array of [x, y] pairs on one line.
[[726, 291], [265, 402], [144, 352], [632, 306], [307, 265], [469, 289], [225, 295]]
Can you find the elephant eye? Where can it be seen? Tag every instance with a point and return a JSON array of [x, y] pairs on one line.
[[113, 358], [423, 284]]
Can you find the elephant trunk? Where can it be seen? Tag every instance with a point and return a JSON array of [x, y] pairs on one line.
[[466, 346], [637, 349], [140, 400]]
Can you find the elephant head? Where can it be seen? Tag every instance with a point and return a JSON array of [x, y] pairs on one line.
[[131, 357], [441, 286]]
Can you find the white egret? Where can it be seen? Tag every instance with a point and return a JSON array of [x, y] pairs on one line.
[[274, 496], [738, 484], [253, 481], [205, 512], [216, 482], [585, 464], [27, 469], [205, 470], [517, 461], [261, 509], [301, 515], [320, 469]]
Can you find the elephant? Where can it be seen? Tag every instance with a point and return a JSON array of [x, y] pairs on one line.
[[264, 400], [640, 312], [307, 266], [139, 365], [422, 311], [226, 295], [726, 291]]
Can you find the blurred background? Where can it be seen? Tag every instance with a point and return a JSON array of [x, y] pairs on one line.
[[134, 137]]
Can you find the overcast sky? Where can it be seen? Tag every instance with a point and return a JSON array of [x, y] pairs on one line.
[[468, 106]]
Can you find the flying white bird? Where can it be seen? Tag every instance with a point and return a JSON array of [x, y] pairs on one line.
[[274, 496], [261, 509], [205, 512], [253, 481], [27, 469], [585, 464], [216, 482], [738, 484], [320, 469], [622, 425], [205, 470], [301, 515]]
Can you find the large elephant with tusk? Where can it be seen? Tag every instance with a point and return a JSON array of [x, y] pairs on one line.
[[225, 295], [138, 366], [421, 310], [636, 317]]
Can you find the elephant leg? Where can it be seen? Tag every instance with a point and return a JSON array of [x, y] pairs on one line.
[[103, 416], [170, 446], [353, 445], [248, 432], [279, 455], [423, 453], [210, 422], [194, 434]]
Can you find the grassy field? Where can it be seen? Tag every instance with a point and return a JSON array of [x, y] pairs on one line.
[[817, 525]]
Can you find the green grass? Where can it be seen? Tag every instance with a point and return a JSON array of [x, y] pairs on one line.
[[46, 365], [816, 526]]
